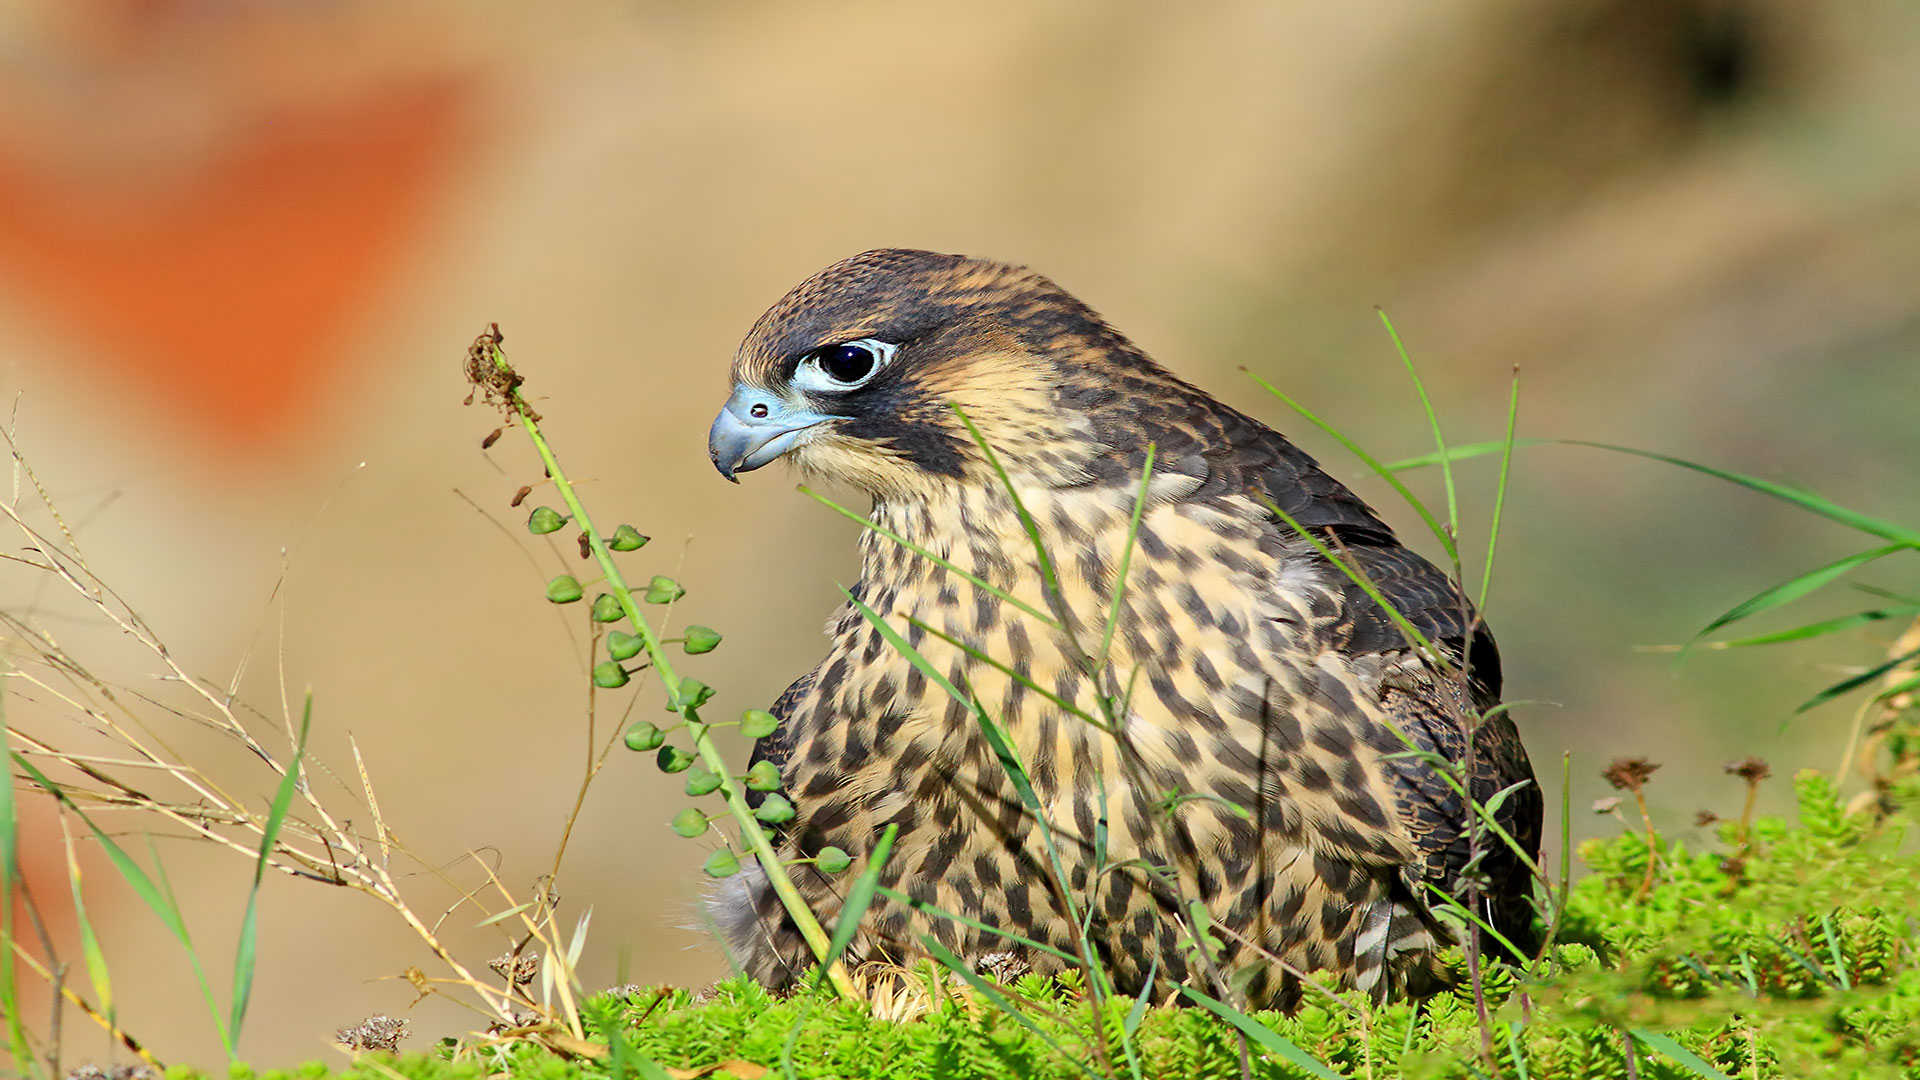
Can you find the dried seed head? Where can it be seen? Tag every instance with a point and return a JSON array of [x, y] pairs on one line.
[[1750, 768], [492, 437], [1627, 774], [381, 1032], [521, 495], [1704, 818], [91, 1071], [1607, 805], [521, 969]]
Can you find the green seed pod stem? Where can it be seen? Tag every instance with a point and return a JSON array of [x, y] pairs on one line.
[[609, 675], [564, 589], [672, 759], [606, 608], [545, 519], [832, 860], [722, 864], [700, 639]]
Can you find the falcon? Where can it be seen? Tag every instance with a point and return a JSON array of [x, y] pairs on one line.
[[1237, 784]]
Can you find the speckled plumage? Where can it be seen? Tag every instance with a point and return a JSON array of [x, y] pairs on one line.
[[1265, 681]]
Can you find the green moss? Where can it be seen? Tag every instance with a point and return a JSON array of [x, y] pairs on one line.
[[1791, 954]]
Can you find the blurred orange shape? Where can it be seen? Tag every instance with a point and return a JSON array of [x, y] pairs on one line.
[[227, 299]]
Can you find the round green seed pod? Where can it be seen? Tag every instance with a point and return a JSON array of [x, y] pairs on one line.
[[663, 590], [722, 864], [627, 538], [564, 589], [701, 782], [775, 809], [672, 759], [545, 519], [832, 860], [700, 639], [758, 724], [764, 776], [693, 694], [606, 608], [644, 736], [609, 675], [690, 823], [624, 646]]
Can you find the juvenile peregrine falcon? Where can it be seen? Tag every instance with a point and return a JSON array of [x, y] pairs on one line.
[[1260, 773]]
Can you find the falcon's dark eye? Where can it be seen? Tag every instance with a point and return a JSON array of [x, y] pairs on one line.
[[848, 363], [846, 366]]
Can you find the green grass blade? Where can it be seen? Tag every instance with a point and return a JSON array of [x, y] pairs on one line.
[[927, 908], [1678, 1053], [1126, 559], [1138, 1012], [1266, 1037], [158, 898], [1806, 500], [1796, 587], [1803, 499], [1049, 580], [1000, 1001], [245, 955], [23, 1056], [1901, 687], [621, 1056], [1463, 452], [1009, 671], [944, 564], [1412, 633], [1847, 686], [1450, 903], [193, 955], [996, 739], [1818, 629], [1884, 594], [1500, 488], [1385, 472], [1512, 1030], [1433, 420], [859, 898], [96, 958]]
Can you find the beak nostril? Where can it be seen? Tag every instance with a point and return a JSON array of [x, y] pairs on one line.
[[759, 412]]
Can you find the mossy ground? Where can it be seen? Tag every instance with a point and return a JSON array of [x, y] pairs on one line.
[[1789, 950]]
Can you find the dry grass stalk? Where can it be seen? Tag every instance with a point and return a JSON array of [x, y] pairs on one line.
[[145, 775]]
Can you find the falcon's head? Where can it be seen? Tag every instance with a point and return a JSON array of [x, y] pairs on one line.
[[854, 373]]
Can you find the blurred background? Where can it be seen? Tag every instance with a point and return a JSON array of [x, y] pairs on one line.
[[244, 247]]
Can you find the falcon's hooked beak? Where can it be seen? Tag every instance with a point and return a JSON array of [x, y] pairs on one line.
[[754, 428]]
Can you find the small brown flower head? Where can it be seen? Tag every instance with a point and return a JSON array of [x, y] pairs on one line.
[[1629, 773], [380, 1032], [1749, 768], [91, 1071], [1607, 805], [1704, 818], [522, 968]]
